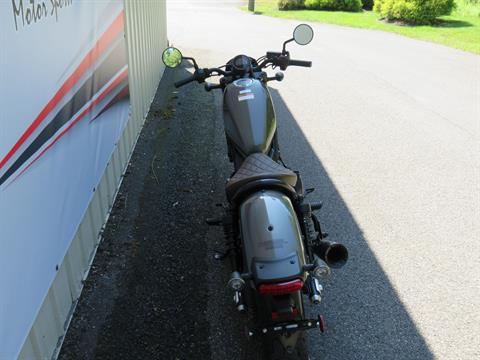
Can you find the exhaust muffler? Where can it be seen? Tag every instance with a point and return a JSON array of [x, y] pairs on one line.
[[334, 254]]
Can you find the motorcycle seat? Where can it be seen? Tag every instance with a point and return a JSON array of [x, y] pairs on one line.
[[259, 166]]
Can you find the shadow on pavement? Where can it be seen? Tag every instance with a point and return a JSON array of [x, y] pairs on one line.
[[365, 317]]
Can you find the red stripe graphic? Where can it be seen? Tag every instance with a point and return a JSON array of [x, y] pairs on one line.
[[102, 44], [122, 76]]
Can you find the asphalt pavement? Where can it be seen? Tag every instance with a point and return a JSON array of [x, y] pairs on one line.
[[385, 128]]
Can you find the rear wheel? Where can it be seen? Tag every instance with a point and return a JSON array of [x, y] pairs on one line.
[[274, 349], [273, 346]]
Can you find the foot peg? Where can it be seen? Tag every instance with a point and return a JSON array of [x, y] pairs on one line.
[[316, 205]]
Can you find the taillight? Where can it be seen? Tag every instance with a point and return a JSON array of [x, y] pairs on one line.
[[281, 288]]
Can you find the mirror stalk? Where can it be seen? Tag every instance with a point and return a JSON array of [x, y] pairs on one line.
[[284, 50], [192, 60]]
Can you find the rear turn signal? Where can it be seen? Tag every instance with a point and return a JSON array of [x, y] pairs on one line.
[[281, 288]]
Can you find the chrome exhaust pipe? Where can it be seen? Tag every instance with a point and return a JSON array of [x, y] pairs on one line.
[[334, 254]]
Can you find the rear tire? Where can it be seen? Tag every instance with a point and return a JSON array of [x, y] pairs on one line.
[[271, 347], [274, 350]]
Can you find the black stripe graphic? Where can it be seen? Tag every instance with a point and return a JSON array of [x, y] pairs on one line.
[[115, 61], [124, 93]]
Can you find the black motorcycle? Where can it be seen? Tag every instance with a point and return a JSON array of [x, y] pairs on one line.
[[274, 240]]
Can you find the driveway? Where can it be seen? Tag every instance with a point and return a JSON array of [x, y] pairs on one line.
[[384, 127], [387, 130]]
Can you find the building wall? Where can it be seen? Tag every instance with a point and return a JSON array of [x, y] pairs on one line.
[[146, 35]]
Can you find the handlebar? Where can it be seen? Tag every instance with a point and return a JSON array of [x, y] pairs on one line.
[[200, 75], [185, 81], [283, 60], [278, 59], [299, 63]]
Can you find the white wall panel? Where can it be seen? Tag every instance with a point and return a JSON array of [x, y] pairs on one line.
[[146, 34]]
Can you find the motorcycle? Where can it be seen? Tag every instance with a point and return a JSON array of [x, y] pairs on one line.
[[274, 239]]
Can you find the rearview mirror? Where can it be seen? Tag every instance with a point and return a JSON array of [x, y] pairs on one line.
[[303, 34], [172, 57]]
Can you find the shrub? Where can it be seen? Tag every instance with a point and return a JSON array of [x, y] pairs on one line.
[[367, 4], [468, 7], [291, 4], [414, 11], [346, 5]]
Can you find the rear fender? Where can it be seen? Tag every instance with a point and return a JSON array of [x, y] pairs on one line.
[[271, 237]]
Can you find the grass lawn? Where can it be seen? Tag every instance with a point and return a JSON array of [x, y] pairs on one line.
[[460, 30]]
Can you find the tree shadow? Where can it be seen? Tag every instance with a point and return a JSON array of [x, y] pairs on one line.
[[441, 23], [365, 315], [437, 23]]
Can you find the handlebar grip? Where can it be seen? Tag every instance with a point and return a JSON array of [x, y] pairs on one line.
[[185, 81], [299, 63]]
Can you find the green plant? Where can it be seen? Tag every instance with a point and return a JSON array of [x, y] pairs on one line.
[[459, 30], [367, 4], [414, 11], [468, 7], [335, 5], [291, 4]]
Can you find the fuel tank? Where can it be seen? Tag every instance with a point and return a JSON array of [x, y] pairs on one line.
[[271, 237], [249, 116]]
